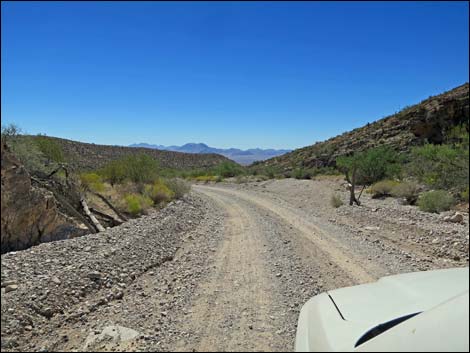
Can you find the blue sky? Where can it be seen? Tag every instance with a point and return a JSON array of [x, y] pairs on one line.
[[233, 74]]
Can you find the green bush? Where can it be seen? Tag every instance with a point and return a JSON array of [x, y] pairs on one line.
[[435, 201], [464, 195], [140, 169], [28, 153], [441, 166], [159, 192], [302, 173], [382, 188], [336, 201], [114, 172], [179, 187], [407, 190], [137, 204], [228, 169], [208, 178], [270, 172], [91, 181], [50, 149]]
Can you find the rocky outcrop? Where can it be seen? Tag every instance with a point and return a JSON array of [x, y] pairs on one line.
[[30, 214], [427, 121]]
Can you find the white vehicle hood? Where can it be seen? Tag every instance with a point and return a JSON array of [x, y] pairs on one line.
[[396, 296]]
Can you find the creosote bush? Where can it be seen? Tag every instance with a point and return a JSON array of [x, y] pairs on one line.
[[178, 186], [158, 192], [408, 191], [382, 188], [435, 201], [137, 204], [91, 181], [336, 201]]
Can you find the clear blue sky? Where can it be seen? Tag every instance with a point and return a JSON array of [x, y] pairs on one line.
[[267, 74]]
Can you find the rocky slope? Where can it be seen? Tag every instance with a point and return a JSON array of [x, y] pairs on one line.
[[30, 214], [426, 121], [63, 283], [88, 156]]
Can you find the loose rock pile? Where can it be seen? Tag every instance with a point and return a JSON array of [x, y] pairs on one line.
[[73, 278]]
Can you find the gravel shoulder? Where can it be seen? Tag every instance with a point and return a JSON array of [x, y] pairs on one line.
[[228, 268]]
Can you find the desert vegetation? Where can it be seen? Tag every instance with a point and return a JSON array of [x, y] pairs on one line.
[[433, 176], [130, 185]]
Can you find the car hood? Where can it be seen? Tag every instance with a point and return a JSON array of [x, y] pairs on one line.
[[397, 296]]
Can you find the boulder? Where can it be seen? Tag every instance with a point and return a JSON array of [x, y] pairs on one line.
[[456, 218]]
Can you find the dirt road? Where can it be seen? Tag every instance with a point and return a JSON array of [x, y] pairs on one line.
[[246, 260], [244, 303]]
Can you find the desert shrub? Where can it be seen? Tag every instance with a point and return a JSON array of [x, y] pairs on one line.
[[382, 188], [50, 149], [261, 177], [29, 154], [140, 169], [228, 169], [219, 179], [241, 179], [336, 201], [137, 204], [302, 173], [207, 178], [435, 201], [407, 190], [441, 166], [178, 186], [324, 171], [91, 181], [114, 172], [464, 195], [270, 172], [159, 192]]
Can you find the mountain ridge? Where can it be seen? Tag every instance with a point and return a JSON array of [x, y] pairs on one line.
[[244, 157]]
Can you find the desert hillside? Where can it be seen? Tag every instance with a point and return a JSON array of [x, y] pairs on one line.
[[90, 156], [426, 121]]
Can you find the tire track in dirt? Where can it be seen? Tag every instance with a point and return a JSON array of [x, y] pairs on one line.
[[234, 305], [355, 267]]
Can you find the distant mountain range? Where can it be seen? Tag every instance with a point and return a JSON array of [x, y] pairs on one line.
[[244, 157]]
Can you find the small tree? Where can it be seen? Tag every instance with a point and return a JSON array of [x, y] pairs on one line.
[[368, 167], [10, 132]]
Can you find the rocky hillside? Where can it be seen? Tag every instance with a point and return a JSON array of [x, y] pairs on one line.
[[30, 214], [426, 121], [87, 156]]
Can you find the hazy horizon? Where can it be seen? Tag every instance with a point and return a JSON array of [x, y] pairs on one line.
[[244, 75]]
